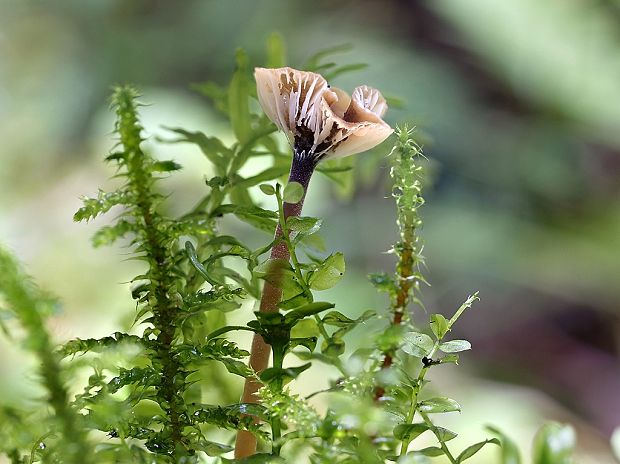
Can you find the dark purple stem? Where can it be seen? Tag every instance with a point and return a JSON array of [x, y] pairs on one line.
[[302, 169]]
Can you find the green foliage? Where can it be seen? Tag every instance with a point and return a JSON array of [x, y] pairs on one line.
[[175, 309], [293, 192], [151, 391], [510, 452], [30, 306], [554, 444]]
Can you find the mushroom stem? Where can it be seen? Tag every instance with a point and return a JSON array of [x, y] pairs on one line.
[[302, 168]]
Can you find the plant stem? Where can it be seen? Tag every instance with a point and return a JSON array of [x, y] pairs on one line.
[[286, 237], [164, 310], [418, 384], [414, 399], [152, 240], [404, 268], [276, 424], [406, 176], [164, 321], [302, 168]]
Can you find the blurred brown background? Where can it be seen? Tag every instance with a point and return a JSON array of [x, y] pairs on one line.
[[517, 103]]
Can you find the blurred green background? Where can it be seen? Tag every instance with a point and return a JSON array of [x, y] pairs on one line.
[[517, 103]]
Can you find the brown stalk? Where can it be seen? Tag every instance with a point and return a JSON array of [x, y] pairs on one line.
[[404, 269], [301, 171]]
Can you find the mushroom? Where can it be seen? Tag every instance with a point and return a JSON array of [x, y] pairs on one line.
[[321, 122]]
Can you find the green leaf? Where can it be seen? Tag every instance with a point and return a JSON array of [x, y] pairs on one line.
[[345, 69], [191, 254], [231, 417], [455, 346], [279, 272], [276, 51], [413, 458], [262, 219], [313, 63], [334, 344], [268, 320], [224, 300], [109, 234], [329, 273], [473, 449], [93, 207], [409, 431], [228, 328], [324, 167], [287, 374], [213, 349], [417, 344], [268, 174], [340, 171], [443, 434], [314, 242], [261, 458], [215, 151], [337, 319], [450, 359], [333, 347], [382, 281], [222, 240], [307, 310], [215, 92], [554, 444], [439, 325], [395, 102], [303, 225], [267, 189], [293, 192], [243, 211], [510, 451], [217, 182], [260, 223], [165, 166], [295, 302], [391, 338], [214, 449], [431, 451], [308, 342], [236, 367], [439, 405], [238, 95], [305, 328], [98, 345], [143, 376]]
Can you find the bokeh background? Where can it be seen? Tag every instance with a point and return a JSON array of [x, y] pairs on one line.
[[517, 103]]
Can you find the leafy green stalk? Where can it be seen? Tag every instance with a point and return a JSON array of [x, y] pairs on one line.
[[157, 291], [29, 305], [407, 177], [153, 245]]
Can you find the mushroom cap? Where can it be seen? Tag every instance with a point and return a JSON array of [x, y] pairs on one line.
[[323, 122]]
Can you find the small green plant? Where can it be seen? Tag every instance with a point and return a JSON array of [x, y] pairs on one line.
[[149, 391]]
